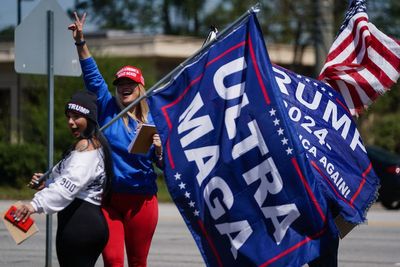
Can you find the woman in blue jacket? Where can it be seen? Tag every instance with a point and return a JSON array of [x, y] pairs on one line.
[[132, 214]]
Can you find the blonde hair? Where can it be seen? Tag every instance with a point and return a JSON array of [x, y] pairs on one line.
[[138, 112]]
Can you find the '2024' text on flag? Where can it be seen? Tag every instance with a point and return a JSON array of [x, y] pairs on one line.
[[257, 159], [363, 63]]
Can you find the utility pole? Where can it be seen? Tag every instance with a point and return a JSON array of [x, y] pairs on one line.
[[323, 31]]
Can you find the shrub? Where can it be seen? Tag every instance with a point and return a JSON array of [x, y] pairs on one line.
[[18, 162]]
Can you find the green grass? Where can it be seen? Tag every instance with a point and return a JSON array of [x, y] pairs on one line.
[[8, 192]]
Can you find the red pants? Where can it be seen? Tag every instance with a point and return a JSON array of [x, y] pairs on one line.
[[132, 220]]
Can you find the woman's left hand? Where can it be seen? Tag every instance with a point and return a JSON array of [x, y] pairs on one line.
[[157, 145], [157, 140], [77, 27], [23, 212]]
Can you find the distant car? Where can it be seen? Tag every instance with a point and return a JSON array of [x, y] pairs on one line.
[[387, 166]]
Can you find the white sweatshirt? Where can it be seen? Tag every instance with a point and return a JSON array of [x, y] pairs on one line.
[[81, 175]]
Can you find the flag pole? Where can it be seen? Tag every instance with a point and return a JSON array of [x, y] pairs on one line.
[[152, 90]]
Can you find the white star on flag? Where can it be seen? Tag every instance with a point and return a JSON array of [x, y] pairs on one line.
[[284, 141], [177, 176], [272, 112], [182, 185], [289, 151]]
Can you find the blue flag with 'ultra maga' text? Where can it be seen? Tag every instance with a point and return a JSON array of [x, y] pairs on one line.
[[247, 161]]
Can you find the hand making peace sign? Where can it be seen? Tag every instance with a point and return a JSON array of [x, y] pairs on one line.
[[77, 27]]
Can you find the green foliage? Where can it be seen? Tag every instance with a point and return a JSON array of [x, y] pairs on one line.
[[7, 33], [380, 124], [34, 108], [19, 162], [183, 17], [35, 101], [387, 131], [9, 192], [282, 21], [225, 12], [121, 15], [163, 194], [167, 16], [385, 15]]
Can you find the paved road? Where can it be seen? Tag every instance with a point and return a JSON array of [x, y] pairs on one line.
[[376, 244], [372, 245], [172, 245]]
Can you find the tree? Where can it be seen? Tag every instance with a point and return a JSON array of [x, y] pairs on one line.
[[139, 15], [386, 15], [182, 17], [7, 33]]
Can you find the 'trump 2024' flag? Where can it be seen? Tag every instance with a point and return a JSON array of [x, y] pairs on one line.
[[363, 63], [258, 160]]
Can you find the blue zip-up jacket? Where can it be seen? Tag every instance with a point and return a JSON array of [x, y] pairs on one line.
[[133, 173]]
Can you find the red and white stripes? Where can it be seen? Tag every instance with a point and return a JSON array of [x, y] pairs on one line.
[[363, 63]]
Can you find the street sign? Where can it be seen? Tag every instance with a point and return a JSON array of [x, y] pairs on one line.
[[31, 48]]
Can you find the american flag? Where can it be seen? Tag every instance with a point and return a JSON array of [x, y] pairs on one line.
[[363, 63]]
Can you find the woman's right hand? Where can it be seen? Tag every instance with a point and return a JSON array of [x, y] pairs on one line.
[[35, 182], [77, 27], [23, 212]]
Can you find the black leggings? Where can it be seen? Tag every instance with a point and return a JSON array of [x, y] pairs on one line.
[[82, 234]]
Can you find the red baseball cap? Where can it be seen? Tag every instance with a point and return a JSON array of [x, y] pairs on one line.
[[129, 72]]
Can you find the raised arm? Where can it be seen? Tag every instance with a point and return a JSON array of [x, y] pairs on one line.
[[92, 77], [77, 34]]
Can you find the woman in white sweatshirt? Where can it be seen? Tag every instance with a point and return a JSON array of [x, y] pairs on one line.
[[79, 183]]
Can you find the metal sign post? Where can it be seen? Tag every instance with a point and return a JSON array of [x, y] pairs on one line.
[[50, 79], [43, 45]]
